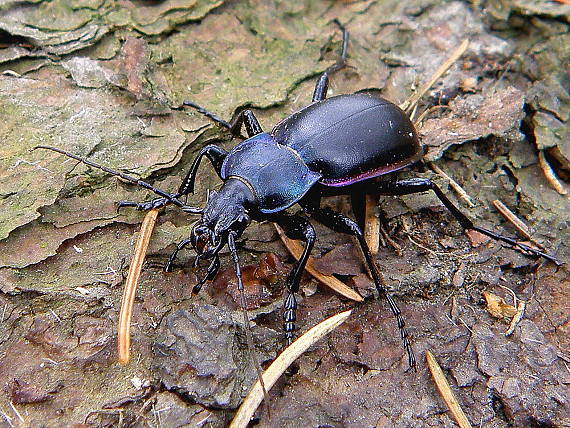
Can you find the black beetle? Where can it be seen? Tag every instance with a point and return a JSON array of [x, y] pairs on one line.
[[334, 146]]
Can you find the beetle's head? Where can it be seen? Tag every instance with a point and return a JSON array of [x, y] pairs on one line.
[[226, 211]]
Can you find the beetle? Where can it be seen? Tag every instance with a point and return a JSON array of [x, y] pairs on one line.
[[333, 146]]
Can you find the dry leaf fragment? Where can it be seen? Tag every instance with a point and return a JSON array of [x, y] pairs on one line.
[[497, 307]]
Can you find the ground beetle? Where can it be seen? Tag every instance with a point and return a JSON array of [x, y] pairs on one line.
[[334, 146]]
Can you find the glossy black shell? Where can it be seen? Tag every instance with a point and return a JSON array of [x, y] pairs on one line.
[[349, 138], [336, 142]]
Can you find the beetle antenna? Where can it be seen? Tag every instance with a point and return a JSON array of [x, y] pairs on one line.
[[172, 198], [207, 113], [235, 257]]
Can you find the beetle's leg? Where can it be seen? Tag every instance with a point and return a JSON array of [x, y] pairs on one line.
[[358, 204], [247, 118], [320, 92], [144, 206], [180, 246], [321, 87], [215, 155], [207, 113], [416, 185], [213, 269], [342, 224], [295, 227], [234, 126]]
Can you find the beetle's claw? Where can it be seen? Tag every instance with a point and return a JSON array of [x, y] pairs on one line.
[[168, 267], [196, 289], [144, 206], [125, 204]]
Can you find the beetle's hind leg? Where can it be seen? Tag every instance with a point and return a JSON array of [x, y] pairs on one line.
[[342, 224], [416, 185], [295, 227], [320, 92]]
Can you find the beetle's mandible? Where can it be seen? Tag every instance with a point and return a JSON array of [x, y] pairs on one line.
[[333, 146]]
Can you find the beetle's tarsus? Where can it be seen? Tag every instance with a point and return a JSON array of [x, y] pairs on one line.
[[517, 245], [145, 206], [299, 228], [206, 113]]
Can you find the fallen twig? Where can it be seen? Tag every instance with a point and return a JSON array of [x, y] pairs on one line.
[[410, 103], [454, 185], [281, 363], [511, 217], [550, 175], [372, 224], [445, 392], [124, 329]]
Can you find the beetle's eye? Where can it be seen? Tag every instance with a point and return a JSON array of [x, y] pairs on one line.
[[199, 238]]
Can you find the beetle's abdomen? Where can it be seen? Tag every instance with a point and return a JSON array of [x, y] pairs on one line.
[[277, 175], [349, 138]]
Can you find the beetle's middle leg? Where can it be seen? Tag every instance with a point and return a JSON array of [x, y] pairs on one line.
[[295, 227], [342, 224], [246, 117], [416, 185]]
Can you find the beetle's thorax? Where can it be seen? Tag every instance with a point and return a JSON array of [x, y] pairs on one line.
[[276, 174], [228, 207]]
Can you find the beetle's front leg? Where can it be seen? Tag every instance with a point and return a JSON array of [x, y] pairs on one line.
[[216, 156], [295, 227], [416, 185], [247, 118], [144, 206]]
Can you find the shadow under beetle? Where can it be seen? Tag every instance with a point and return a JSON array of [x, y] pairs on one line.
[[334, 146]]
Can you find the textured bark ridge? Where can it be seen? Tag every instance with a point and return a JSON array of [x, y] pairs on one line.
[[106, 81]]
